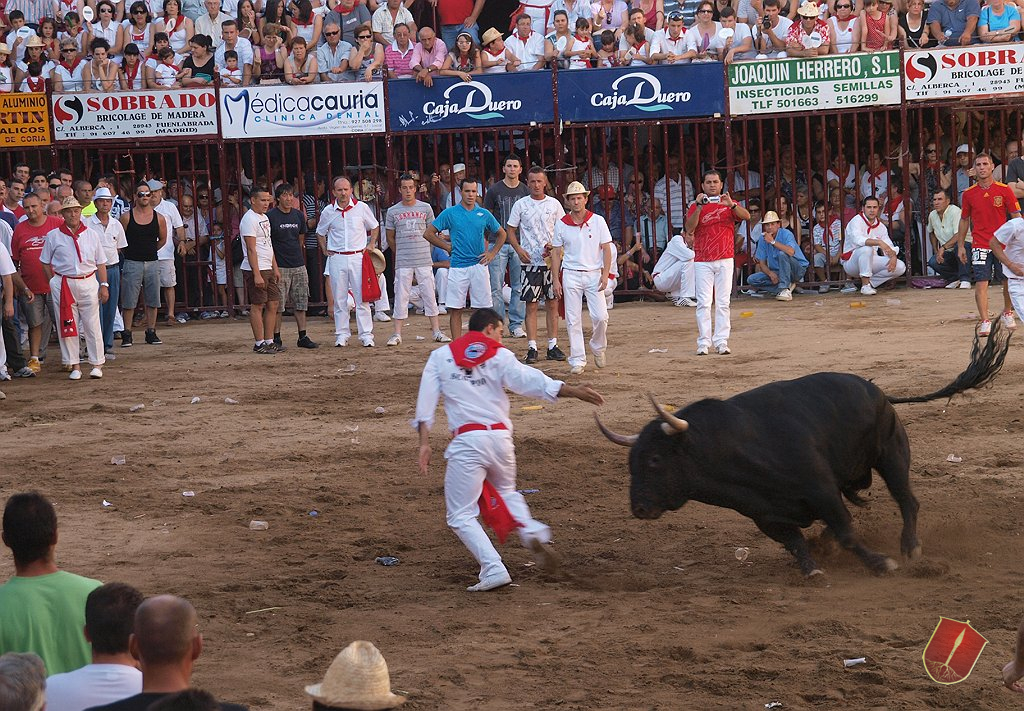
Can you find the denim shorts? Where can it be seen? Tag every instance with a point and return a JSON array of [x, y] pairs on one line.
[[985, 266], [140, 276]]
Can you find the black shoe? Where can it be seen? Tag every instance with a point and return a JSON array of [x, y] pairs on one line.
[[117, 335], [151, 337], [126, 339], [531, 356], [555, 354], [264, 349], [306, 342], [279, 346]]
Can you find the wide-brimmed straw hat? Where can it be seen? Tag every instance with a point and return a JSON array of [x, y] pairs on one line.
[[489, 36], [770, 216], [357, 679], [379, 261], [69, 203], [808, 9], [576, 188], [4, 49], [34, 41]]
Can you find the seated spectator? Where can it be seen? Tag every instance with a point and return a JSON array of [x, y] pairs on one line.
[[242, 46], [913, 26], [75, 30], [199, 68], [611, 16], [6, 70], [48, 33], [464, 60], [810, 36], [580, 52], [669, 43], [34, 54], [525, 47], [877, 26], [138, 27], [701, 37], [607, 54], [636, 17], [495, 57], [269, 57], [575, 10], [557, 43], [248, 22], [773, 29], [15, 21], [131, 75], [870, 254], [165, 74], [998, 22], [300, 65], [166, 642], [943, 223], [357, 679], [740, 44], [874, 181], [67, 75], [844, 27], [160, 42], [826, 249], [953, 22], [638, 52], [42, 608], [231, 74], [350, 16], [178, 28], [112, 675], [308, 24], [398, 55], [367, 57], [106, 26], [331, 56], [673, 273], [211, 23], [780, 262], [428, 56], [22, 682], [386, 17]]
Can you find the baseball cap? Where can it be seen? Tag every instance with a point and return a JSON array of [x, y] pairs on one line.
[[155, 184], [963, 148], [458, 168]]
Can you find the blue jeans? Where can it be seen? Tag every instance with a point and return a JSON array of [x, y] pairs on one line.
[[109, 309], [507, 258], [790, 270], [951, 268], [450, 32]]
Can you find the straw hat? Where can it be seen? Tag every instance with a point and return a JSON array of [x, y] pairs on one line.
[[489, 36], [34, 41], [770, 216], [4, 49], [576, 188], [357, 679], [70, 203], [378, 259], [808, 9]]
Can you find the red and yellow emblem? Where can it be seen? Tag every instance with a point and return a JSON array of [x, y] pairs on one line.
[[997, 201], [953, 650]]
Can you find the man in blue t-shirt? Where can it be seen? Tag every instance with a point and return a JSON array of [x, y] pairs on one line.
[[780, 262], [954, 21], [468, 225]]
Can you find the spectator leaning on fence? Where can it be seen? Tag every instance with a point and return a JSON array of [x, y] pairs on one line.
[[428, 56], [953, 22], [332, 55], [810, 36]]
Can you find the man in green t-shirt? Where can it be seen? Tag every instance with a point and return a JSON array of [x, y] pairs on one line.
[[42, 609]]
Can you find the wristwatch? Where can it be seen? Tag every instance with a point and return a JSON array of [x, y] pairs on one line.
[[103, 283]]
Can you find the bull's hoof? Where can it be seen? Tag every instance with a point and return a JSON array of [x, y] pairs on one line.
[[815, 572], [914, 554]]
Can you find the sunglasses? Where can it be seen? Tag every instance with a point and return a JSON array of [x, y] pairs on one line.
[[364, 36], [705, 12], [138, 12], [105, 9], [840, 7], [674, 16], [54, 186], [331, 34], [929, 150], [142, 195]]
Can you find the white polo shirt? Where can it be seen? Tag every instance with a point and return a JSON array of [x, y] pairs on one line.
[[112, 236], [528, 51], [859, 231], [258, 226], [346, 228], [582, 244], [59, 252]]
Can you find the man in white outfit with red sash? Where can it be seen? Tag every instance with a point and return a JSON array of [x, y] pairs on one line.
[[472, 373]]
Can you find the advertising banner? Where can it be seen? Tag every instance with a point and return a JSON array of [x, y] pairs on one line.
[[138, 114], [24, 120], [649, 92], [311, 110], [838, 81], [511, 99], [952, 72]]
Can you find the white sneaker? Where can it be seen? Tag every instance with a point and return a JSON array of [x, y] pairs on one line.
[[702, 350], [984, 328], [442, 311], [965, 285], [340, 342], [685, 301], [868, 290], [75, 375], [519, 332], [440, 337], [1008, 321], [784, 295], [599, 359], [723, 349], [96, 372], [848, 288], [953, 285], [381, 316], [498, 580], [109, 356], [576, 370], [395, 340], [368, 343]]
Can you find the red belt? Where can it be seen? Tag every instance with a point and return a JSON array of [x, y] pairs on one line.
[[475, 426], [65, 276], [331, 254]]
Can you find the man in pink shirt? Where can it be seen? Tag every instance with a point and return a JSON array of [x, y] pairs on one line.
[[398, 55], [428, 56]]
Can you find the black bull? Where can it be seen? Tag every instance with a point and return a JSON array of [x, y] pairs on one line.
[[785, 454]]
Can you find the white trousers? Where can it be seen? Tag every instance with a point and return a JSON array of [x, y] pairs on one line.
[[86, 311], [574, 286], [713, 282], [1015, 285], [675, 277], [472, 458], [441, 281], [383, 303], [346, 273], [865, 262], [403, 288]]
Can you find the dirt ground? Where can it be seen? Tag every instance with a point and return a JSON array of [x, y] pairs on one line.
[[647, 614]]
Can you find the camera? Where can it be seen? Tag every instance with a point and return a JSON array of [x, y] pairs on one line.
[[712, 199], [766, 23]]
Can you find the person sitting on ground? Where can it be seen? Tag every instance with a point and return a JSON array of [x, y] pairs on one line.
[[42, 608], [673, 273], [870, 254], [780, 262], [112, 675], [357, 679], [943, 222], [22, 682]]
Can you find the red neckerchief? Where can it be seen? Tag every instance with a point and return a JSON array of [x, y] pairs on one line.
[[74, 236], [131, 77], [343, 210], [71, 69], [870, 225], [499, 54], [581, 39], [36, 85], [567, 219], [640, 46], [523, 39], [138, 36], [472, 349]]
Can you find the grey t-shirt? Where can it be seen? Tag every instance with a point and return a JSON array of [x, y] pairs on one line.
[[499, 199], [409, 223], [1015, 170], [348, 23]]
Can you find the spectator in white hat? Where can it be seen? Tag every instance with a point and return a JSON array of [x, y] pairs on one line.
[[357, 679], [112, 237]]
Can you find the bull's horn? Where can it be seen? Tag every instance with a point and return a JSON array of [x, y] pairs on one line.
[[624, 440], [672, 424]]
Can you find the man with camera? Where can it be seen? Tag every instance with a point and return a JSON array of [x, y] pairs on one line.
[[773, 29], [711, 220]]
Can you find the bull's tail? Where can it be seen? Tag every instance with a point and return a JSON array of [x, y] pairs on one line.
[[986, 360]]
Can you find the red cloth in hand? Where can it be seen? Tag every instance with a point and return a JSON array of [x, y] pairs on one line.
[[495, 513], [371, 286], [68, 327]]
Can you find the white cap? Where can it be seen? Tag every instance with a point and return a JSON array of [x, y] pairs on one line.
[[155, 184], [963, 148], [102, 194], [458, 168]]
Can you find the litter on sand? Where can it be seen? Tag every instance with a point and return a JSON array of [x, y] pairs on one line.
[[265, 609], [258, 525], [955, 459], [854, 662], [773, 705], [529, 491], [136, 408], [387, 560], [106, 503], [658, 350], [379, 410], [531, 408], [195, 400], [230, 401], [188, 494], [118, 459]]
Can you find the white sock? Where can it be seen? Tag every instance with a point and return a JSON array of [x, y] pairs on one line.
[[531, 344], [552, 342]]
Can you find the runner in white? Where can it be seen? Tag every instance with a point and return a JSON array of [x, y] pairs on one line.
[[472, 374], [673, 273], [581, 262], [1008, 248], [531, 229]]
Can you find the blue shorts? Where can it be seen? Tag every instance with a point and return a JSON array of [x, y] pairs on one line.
[[985, 266]]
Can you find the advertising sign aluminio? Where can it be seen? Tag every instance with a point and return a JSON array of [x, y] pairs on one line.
[[513, 99], [310, 110], [24, 120], [139, 114], [813, 84], [952, 72], [630, 93]]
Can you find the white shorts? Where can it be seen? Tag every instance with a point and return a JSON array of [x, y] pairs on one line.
[[167, 275], [474, 282]]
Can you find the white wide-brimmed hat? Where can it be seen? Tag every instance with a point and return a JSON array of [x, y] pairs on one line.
[[576, 188], [770, 216], [357, 679]]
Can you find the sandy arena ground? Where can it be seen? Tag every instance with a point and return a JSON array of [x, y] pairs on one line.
[[647, 614]]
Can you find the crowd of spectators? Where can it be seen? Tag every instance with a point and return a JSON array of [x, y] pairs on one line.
[[127, 45]]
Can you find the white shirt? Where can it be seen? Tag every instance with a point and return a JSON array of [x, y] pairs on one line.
[[529, 52], [212, 28], [6, 263], [664, 44], [582, 244], [675, 251], [1011, 236], [173, 217], [695, 39], [242, 46], [92, 685], [858, 231], [190, 227], [874, 187], [535, 221], [72, 81], [346, 229], [741, 33], [112, 238], [479, 395], [383, 22], [59, 252], [258, 226]]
